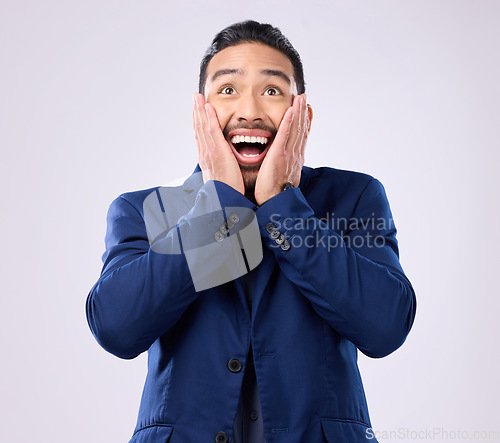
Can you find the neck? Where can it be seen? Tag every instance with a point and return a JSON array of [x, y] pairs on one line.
[[250, 195]]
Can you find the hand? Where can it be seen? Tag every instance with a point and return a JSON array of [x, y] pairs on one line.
[[285, 158], [215, 157]]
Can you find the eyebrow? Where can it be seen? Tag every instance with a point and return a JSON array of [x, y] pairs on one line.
[[277, 73], [268, 72], [222, 72]]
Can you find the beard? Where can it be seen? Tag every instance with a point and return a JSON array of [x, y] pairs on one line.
[[249, 174]]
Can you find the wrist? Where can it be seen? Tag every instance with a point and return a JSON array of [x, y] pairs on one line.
[[261, 200]]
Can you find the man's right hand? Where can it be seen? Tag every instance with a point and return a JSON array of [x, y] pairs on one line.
[[215, 157]]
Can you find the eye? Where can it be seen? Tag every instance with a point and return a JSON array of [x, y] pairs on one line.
[[227, 90], [272, 91]]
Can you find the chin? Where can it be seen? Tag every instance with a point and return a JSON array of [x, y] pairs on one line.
[[249, 174]]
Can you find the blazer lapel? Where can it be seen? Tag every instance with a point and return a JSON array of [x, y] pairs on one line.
[[191, 187]]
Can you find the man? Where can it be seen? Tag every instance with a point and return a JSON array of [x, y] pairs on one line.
[[268, 353]]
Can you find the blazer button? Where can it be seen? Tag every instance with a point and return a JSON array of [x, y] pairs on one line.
[[234, 365], [254, 416], [270, 228], [275, 234], [221, 437], [234, 218], [280, 240], [285, 246]]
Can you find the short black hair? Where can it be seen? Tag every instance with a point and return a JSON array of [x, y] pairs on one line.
[[251, 31]]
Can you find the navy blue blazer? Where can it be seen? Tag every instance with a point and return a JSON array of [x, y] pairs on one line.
[[338, 288]]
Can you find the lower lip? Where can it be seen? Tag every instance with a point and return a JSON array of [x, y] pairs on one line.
[[250, 160]]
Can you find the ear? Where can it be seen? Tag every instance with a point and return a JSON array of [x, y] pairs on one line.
[[309, 117]]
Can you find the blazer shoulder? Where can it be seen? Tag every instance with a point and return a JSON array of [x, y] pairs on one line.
[[174, 190], [339, 179], [134, 199], [331, 190]]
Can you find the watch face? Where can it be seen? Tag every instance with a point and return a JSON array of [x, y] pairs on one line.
[[288, 185]]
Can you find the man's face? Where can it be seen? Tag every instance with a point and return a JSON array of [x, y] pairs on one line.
[[251, 86]]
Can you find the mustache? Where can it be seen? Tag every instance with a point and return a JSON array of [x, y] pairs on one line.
[[244, 125]]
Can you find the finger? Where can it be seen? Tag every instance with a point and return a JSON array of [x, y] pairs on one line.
[[296, 141], [304, 132], [201, 120], [296, 128], [301, 125], [282, 136], [214, 129], [205, 159], [200, 123]]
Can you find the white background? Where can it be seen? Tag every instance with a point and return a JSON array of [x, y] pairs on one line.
[[96, 99]]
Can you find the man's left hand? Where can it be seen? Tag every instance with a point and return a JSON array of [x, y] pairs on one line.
[[285, 158]]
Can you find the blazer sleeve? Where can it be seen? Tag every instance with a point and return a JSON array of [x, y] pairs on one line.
[[355, 281], [142, 293], [127, 309]]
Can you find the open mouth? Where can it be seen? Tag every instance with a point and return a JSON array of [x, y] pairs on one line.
[[250, 146]]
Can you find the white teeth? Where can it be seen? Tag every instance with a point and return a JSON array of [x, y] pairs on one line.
[[250, 155], [248, 139]]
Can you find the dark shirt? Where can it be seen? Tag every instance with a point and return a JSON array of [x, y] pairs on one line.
[[248, 425]]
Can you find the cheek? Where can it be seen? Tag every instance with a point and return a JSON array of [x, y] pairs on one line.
[[277, 116], [223, 114]]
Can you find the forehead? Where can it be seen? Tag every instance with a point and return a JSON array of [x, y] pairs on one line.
[[250, 57]]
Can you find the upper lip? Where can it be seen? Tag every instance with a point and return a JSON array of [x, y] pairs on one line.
[[249, 132]]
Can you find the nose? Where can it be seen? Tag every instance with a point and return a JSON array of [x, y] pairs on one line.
[[249, 109]]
